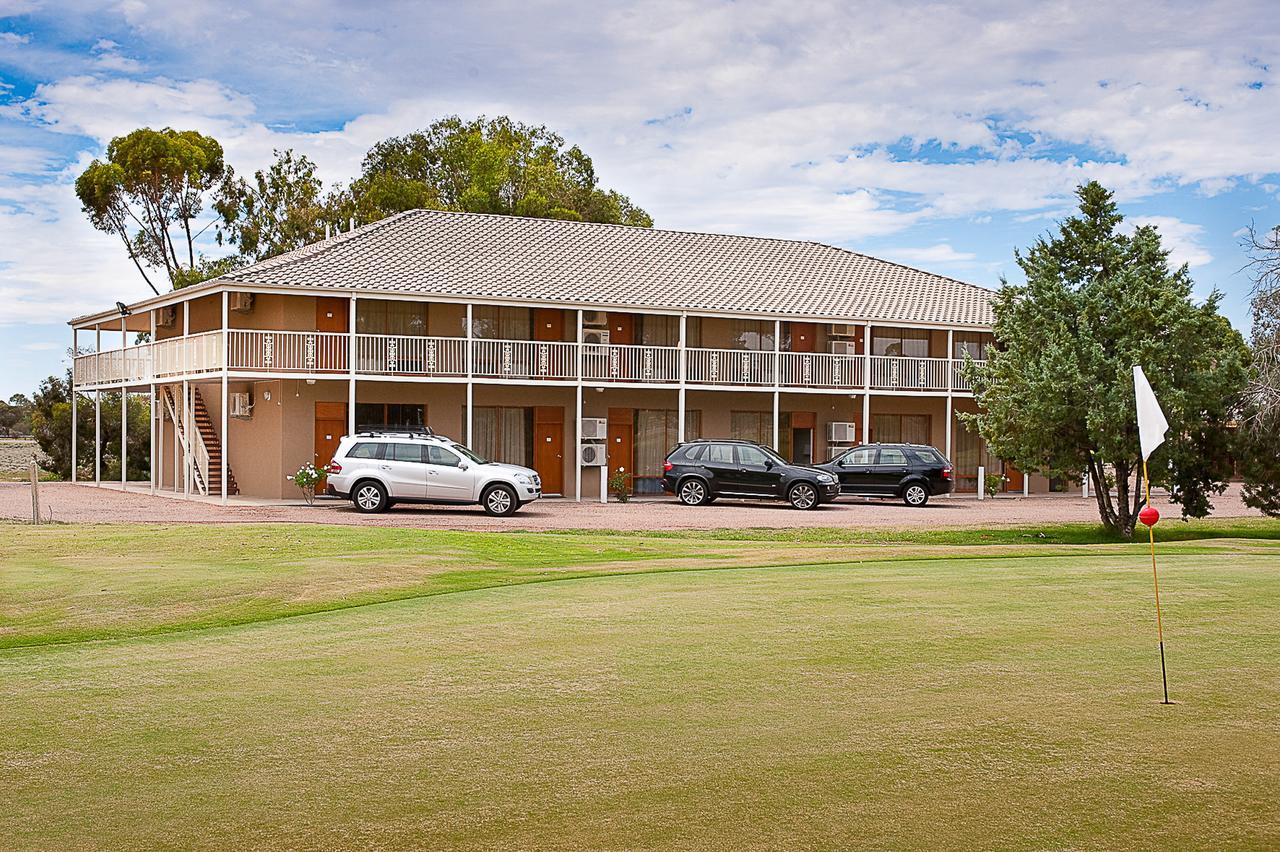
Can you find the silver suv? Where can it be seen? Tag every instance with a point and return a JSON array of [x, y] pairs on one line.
[[378, 469]]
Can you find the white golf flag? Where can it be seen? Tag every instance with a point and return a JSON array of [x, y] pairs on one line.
[[1151, 423]]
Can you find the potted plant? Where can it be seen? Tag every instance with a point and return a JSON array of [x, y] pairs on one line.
[[620, 484], [995, 481], [306, 479]]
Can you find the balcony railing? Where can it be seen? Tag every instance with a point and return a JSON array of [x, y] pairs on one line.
[[327, 353]]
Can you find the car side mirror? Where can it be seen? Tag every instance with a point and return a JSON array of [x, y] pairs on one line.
[[768, 464], [462, 466]]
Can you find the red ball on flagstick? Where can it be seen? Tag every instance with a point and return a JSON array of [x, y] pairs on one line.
[[1149, 515]]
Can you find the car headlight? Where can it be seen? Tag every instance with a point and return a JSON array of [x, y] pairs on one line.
[[826, 478], [524, 479]]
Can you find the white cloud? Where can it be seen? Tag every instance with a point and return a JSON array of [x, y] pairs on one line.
[[14, 38], [1181, 239], [935, 255], [42, 346]]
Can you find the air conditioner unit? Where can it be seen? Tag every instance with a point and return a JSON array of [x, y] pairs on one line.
[[596, 336], [843, 347], [844, 330], [595, 319], [240, 405], [842, 433], [167, 316], [595, 429], [241, 302], [594, 455]]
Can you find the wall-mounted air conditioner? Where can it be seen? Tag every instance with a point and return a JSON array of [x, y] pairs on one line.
[[240, 405], [167, 316], [842, 433], [241, 303], [595, 319], [596, 336], [594, 455], [843, 347], [595, 428], [844, 330]]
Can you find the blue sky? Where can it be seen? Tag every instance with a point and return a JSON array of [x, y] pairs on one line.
[[942, 137]]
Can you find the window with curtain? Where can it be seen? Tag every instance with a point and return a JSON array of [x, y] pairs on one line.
[[656, 433], [659, 330], [903, 342], [975, 344], [371, 415], [969, 452], [378, 316], [503, 434], [756, 335], [900, 428], [495, 322], [751, 426]]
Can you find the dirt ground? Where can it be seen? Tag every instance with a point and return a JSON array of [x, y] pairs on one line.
[[89, 504]]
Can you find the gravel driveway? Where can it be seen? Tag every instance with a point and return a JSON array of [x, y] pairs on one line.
[[85, 503]]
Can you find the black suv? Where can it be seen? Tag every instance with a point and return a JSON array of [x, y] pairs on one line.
[[913, 472], [700, 471]]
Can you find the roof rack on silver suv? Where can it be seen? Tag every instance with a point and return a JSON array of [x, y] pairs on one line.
[[395, 432]]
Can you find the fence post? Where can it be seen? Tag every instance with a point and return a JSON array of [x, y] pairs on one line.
[[982, 482], [1084, 485], [35, 491]]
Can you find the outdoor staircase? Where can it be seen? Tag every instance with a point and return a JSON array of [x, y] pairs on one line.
[[207, 452]]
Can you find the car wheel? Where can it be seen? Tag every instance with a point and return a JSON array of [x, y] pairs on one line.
[[915, 494], [693, 492], [499, 501], [802, 495], [370, 497]]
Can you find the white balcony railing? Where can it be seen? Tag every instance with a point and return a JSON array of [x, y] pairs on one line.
[[617, 363], [310, 352]]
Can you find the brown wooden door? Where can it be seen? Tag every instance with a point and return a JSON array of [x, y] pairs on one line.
[[548, 448], [622, 329], [548, 324], [331, 314], [1013, 477], [803, 336], [622, 441], [331, 425]]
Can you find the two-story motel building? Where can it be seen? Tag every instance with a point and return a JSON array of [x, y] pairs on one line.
[[515, 335]]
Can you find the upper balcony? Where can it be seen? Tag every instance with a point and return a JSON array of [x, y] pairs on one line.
[[319, 354]]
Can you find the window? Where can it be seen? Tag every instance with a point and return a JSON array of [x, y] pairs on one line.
[[406, 453], [659, 330], [375, 316], [365, 451], [901, 428], [906, 342], [751, 455], [970, 452], [439, 455], [889, 455], [656, 432], [862, 456], [928, 456], [695, 452], [974, 344], [754, 426], [501, 323], [718, 454], [752, 334], [504, 434], [372, 415]]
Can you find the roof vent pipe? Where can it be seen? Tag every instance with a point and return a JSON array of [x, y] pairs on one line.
[[351, 223], [326, 230]]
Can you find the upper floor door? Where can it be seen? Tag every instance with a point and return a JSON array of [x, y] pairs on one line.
[[622, 328], [331, 313], [548, 324]]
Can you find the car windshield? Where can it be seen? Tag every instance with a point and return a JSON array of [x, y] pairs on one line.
[[470, 455]]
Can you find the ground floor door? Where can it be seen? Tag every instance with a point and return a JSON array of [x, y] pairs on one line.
[[548, 448], [1013, 478], [622, 438], [331, 425], [800, 441]]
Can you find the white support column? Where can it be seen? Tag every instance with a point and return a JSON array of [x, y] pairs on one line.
[[682, 361], [151, 445], [1026, 484], [982, 482], [124, 406], [777, 369], [866, 383], [577, 428], [351, 366], [97, 437], [177, 446], [470, 375], [188, 458], [157, 452], [950, 417], [75, 350], [951, 377], [153, 456], [225, 437]]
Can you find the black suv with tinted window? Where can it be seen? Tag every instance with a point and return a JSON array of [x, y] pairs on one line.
[[912, 472], [700, 471]]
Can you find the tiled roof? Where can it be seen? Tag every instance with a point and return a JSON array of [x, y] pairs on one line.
[[507, 257]]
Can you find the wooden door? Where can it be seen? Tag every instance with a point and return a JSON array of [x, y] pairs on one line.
[[622, 329], [803, 336], [331, 425], [622, 435], [331, 314], [1013, 477], [548, 447], [548, 324]]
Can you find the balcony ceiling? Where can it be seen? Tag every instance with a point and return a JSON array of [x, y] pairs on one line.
[[506, 257]]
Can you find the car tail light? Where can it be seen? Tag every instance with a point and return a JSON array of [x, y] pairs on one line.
[[333, 467], [946, 473], [667, 466]]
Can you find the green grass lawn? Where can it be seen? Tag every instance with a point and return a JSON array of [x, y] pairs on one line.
[[333, 687]]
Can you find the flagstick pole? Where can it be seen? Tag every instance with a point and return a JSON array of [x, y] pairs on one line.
[[1155, 580]]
